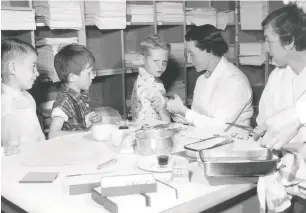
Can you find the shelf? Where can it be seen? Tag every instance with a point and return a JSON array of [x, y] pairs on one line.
[[129, 23], [17, 8], [106, 72], [160, 23]]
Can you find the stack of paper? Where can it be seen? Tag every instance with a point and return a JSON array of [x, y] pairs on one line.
[[201, 16], [178, 88], [107, 14], [47, 49], [252, 14], [252, 53], [225, 18], [140, 13], [59, 14], [132, 59], [170, 11], [177, 52], [18, 20]]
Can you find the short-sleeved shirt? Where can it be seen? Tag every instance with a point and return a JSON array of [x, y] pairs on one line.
[[74, 108], [145, 88], [21, 109]]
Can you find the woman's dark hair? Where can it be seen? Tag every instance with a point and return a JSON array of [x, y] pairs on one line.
[[289, 23], [209, 38]]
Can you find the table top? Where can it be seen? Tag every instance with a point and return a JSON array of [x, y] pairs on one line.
[[51, 197]]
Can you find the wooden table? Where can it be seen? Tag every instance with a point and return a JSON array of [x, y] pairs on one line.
[[198, 196]]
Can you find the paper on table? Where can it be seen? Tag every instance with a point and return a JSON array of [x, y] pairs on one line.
[[67, 150]]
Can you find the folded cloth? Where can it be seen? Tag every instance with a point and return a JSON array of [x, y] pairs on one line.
[[276, 190]]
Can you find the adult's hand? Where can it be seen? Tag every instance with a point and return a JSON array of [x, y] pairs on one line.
[[278, 129], [176, 106]]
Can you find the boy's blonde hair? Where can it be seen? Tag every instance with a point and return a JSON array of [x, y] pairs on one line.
[[153, 42], [13, 48]]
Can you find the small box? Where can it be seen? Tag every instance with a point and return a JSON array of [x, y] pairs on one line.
[[118, 204], [127, 185], [81, 184]]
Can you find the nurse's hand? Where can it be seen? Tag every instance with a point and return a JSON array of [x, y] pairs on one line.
[[279, 129], [176, 106]]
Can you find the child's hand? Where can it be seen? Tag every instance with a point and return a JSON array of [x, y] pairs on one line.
[[95, 118]]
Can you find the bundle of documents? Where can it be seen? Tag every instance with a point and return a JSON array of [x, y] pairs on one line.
[[225, 18], [18, 20], [170, 11], [47, 49], [140, 13], [201, 16], [59, 14], [177, 52], [252, 14], [252, 53], [132, 59], [106, 14]]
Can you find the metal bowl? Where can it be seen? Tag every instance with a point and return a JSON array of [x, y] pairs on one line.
[[152, 142]]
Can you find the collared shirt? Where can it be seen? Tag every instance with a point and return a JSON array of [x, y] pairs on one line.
[[18, 111], [301, 105], [74, 108], [284, 89], [145, 88], [221, 97]]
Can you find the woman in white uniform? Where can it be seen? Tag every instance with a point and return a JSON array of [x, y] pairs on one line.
[[222, 93], [282, 109]]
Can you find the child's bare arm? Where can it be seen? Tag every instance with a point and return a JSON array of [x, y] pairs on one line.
[[159, 104], [56, 128]]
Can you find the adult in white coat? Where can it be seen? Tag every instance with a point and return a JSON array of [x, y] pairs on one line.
[[222, 93]]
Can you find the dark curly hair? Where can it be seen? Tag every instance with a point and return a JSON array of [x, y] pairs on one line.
[[209, 38], [289, 23]]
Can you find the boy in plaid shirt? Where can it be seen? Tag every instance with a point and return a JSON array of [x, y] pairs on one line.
[[71, 110]]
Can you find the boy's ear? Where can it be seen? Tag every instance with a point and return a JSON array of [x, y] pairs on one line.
[[72, 77], [11, 67]]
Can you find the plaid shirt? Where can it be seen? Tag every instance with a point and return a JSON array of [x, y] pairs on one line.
[[75, 106]]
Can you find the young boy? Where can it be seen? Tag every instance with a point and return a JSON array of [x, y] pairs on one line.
[[148, 97], [71, 110], [20, 125]]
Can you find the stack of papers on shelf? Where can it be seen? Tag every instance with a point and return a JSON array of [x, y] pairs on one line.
[[170, 11], [132, 59], [47, 49], [252, 14], [252, 53], [178, 88], [230, 55], [140, 13], [107, 14], [225, 18], [201, 16], [177, 52], [18, 20], [59, 14]]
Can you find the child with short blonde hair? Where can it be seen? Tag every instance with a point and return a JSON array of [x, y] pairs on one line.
[[71, 110], [148, 97], [20, 125]]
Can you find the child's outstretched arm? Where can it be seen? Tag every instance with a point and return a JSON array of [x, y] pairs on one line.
[[159, 103]]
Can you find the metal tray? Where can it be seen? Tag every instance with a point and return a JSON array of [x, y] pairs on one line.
[[193, 149], [239, 168], [224, 154], [228, 162]]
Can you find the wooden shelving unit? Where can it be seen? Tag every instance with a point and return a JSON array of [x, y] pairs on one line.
[[114, 82]]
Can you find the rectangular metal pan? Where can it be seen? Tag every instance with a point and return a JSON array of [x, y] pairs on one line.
[[239, 168], [193, 149]]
